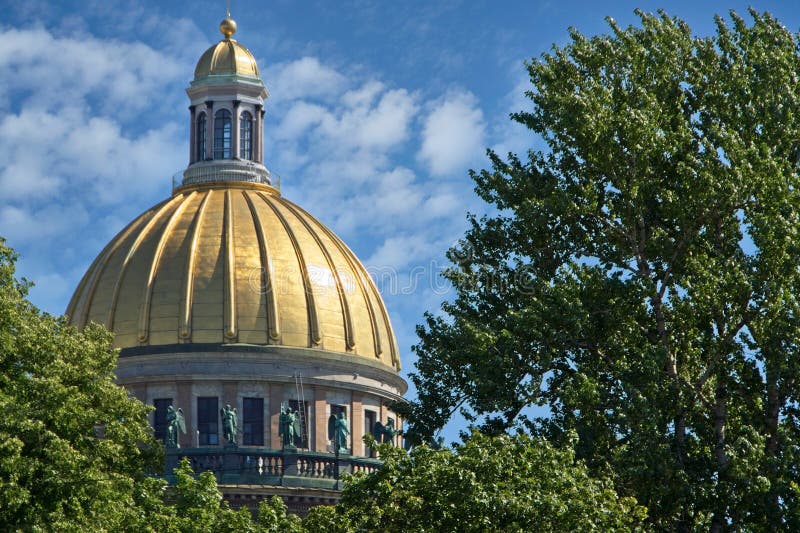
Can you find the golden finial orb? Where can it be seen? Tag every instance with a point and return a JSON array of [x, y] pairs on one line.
[[227, 27]]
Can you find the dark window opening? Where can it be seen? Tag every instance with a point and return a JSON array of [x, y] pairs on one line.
[[246, 136], [222, 134], [253, 421], [370, 417], [160, 418], [208, 421]]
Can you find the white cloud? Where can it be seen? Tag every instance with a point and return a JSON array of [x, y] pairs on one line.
[[300, 117], [43, 224], [55, 71], [453, 134], [303, 78], [387, 124], [399, 251], [370, 119], [364, 95], [47, 153]]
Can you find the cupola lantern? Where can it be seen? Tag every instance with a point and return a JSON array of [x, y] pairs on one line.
[[226, 115]]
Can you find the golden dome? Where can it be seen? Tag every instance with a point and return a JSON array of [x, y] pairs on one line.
[[227, 57], [234, 263]]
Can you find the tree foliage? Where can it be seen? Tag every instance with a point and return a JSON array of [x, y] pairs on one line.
[[639, 279], [58, 397], [486, 484]]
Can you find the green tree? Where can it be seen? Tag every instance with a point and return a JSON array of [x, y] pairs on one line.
[[639, 276], [272, 517], [486, 484], [200, 507], [73, 445], [195, 505]]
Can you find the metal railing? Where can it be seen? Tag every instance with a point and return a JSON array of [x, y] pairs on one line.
[[225, 171]]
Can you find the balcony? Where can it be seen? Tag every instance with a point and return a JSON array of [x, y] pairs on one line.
[[265, 466], [225, 170]]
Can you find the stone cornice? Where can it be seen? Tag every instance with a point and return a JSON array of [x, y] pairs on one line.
[[243, 362]]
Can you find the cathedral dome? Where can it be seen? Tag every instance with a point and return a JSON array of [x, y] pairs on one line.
[[227, 57], [227, 294], [234, 263]]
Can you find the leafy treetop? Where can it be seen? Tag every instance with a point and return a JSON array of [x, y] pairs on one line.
[[639, 281]]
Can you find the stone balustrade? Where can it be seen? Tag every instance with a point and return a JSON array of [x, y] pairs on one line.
[[264, 466]]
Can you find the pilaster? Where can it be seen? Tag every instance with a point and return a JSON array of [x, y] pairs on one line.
[[275, 400], [258, 134], [357, 424], [138, 391], [235, 130], [320, 420], [184, 402], [261, 136]]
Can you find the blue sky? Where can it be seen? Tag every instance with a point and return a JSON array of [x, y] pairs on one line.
[[378, 110]]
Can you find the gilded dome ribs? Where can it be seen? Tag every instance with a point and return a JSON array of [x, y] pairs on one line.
[[313, 317], [389, 330], [96, 270], [185, 329], [144, 310], [230, 272], [267, 283], [139, 239], [358, 271], [187, 271], [347, 318]]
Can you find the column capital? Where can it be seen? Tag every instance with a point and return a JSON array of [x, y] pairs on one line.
[[210, 104]]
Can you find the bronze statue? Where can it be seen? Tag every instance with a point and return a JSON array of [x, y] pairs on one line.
[[289, 426], [229, 423], [386, 433], [175, 423], [341, 432]]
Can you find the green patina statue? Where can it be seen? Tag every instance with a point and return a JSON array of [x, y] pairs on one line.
[[340, 433], [386, 433], [230, 424], [289, 427], [175, 423]]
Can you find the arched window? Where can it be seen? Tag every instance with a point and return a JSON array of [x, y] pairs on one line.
[[222, 134], [246, 136], [200, 149]]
